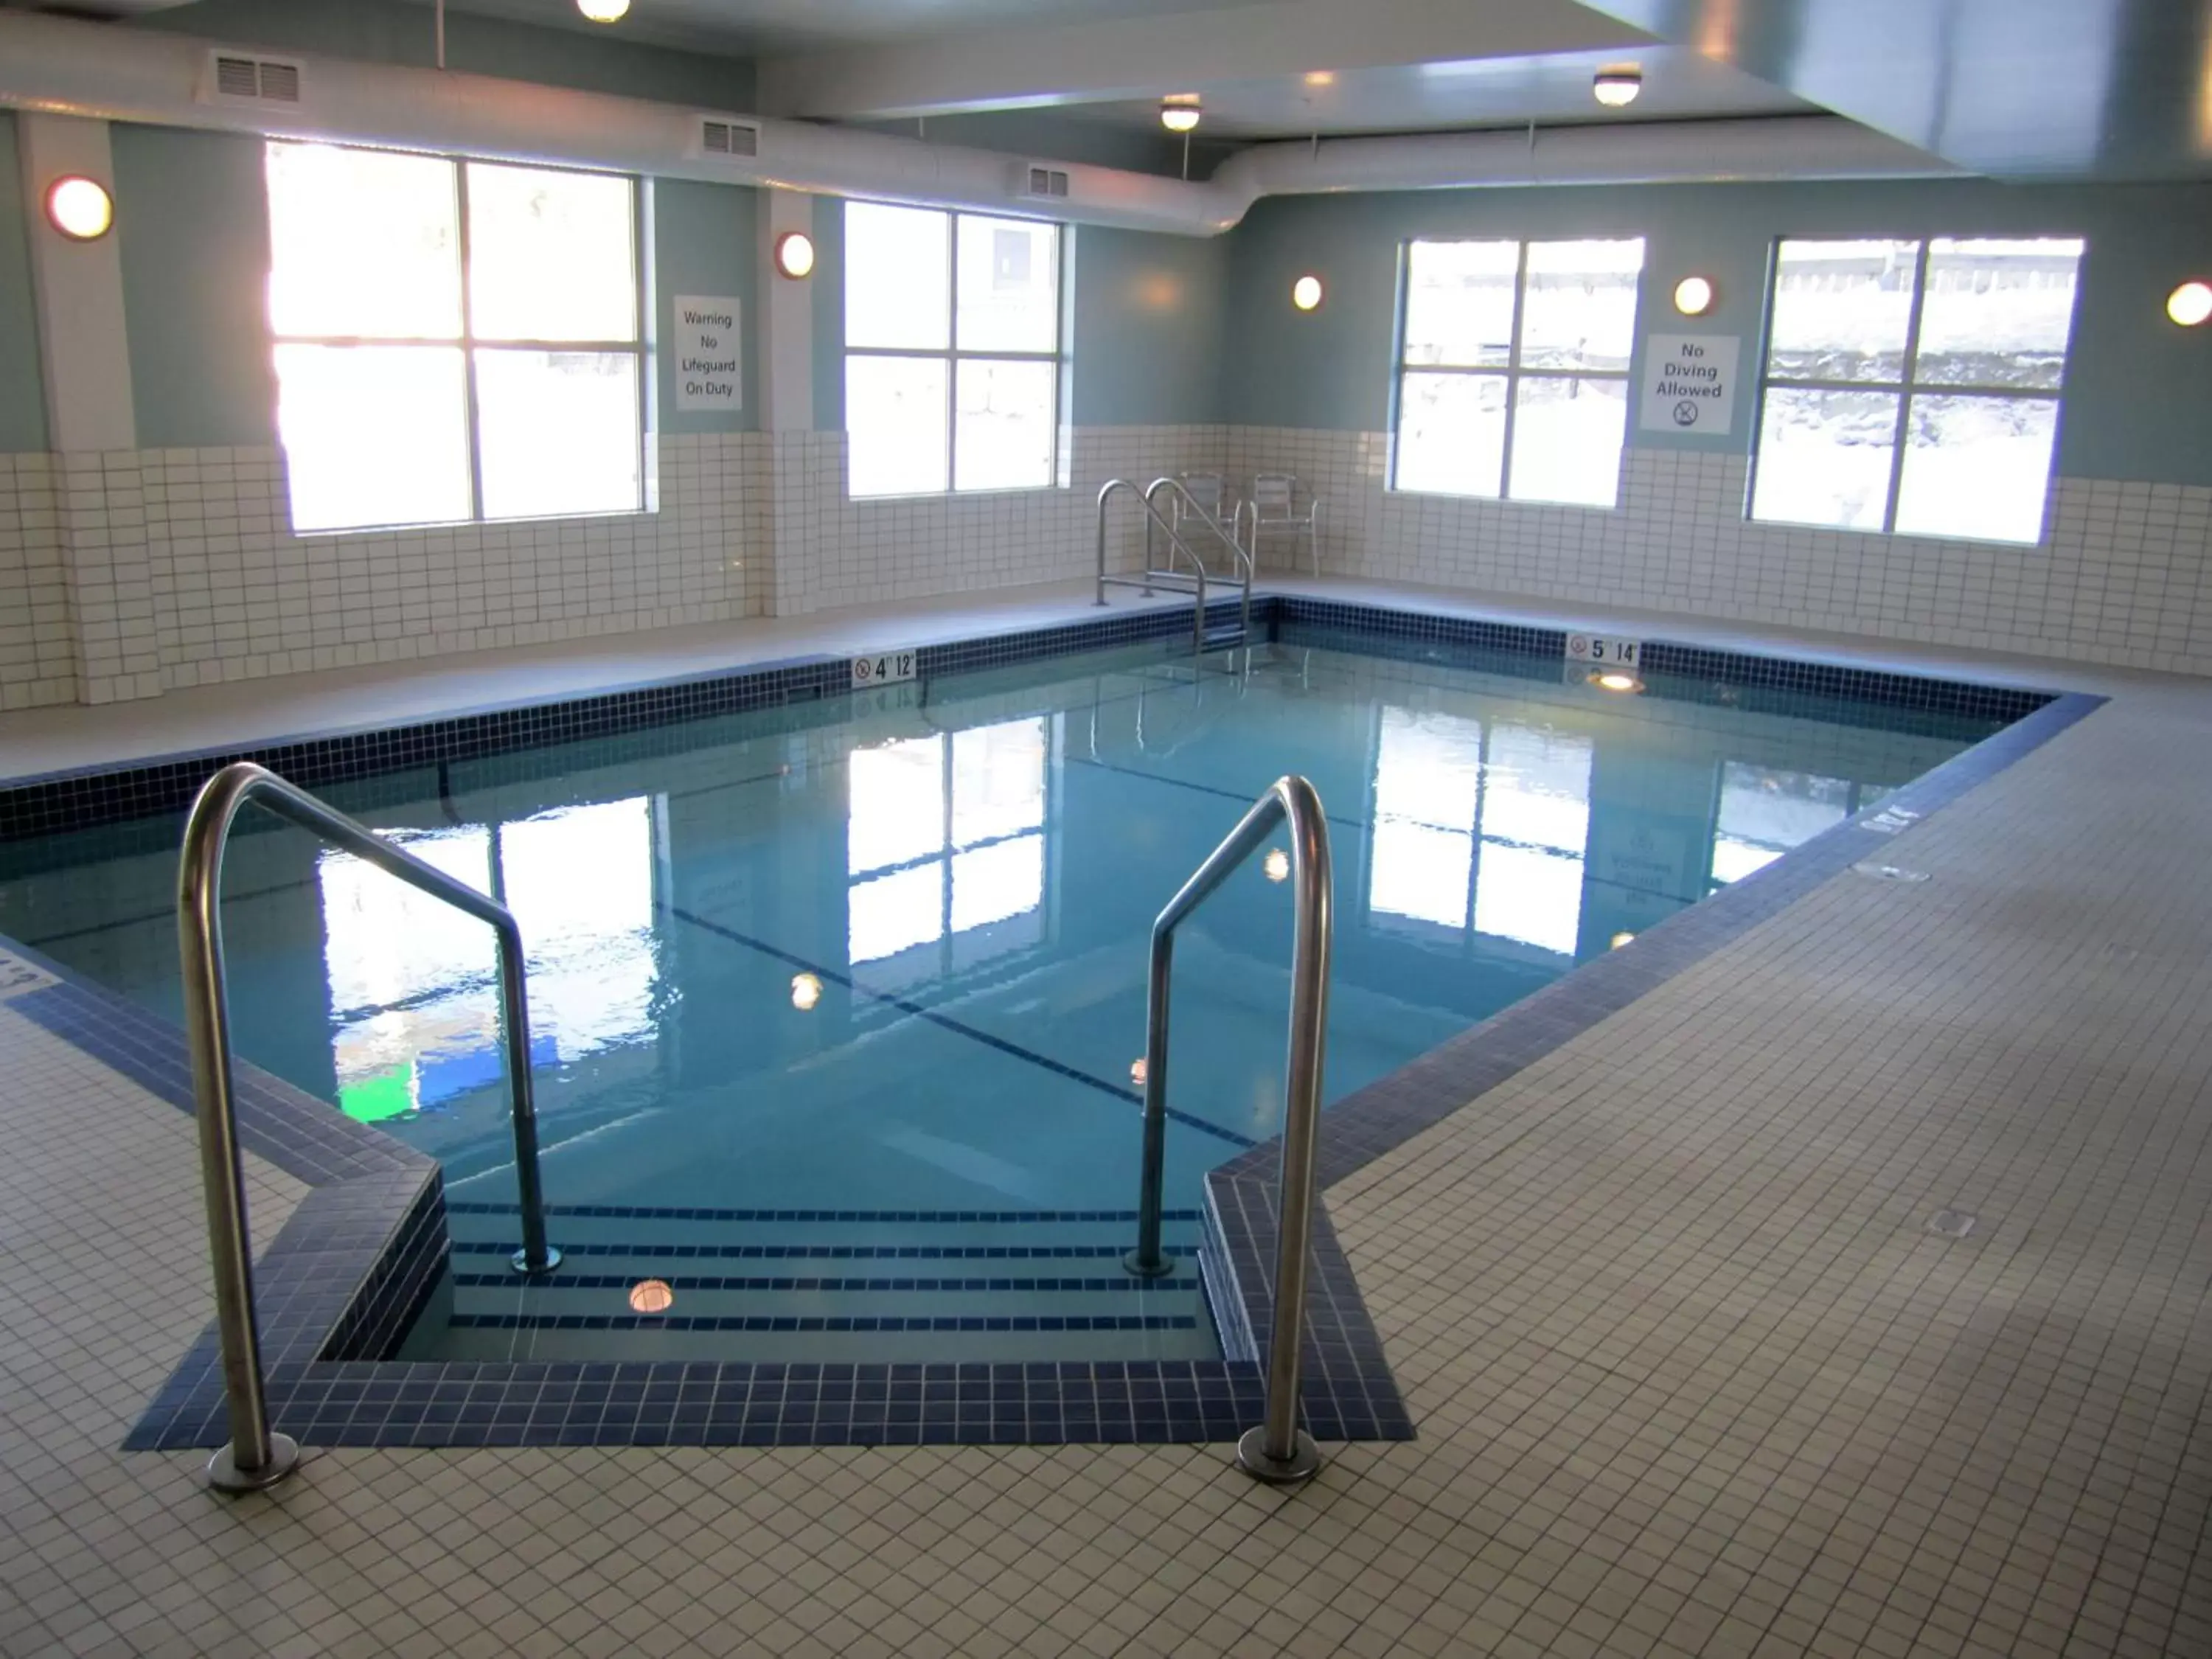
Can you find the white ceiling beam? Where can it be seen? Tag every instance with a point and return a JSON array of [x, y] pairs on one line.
[[1031, 67]]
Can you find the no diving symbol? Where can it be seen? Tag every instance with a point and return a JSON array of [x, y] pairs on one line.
[[1686, 412]]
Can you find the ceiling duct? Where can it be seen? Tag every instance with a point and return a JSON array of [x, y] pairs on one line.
[[73, 67]]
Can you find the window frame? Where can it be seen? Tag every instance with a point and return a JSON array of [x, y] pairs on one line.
[[1903, 389], [1512, 371], [469, 345], [953, 356]]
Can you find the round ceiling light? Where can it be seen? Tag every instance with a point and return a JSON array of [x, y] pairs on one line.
[[1693, 295], [604, 11], [79, 207], [1179, 111], [2190, 304], [1617, 85], [1306, 293], [794, 254]]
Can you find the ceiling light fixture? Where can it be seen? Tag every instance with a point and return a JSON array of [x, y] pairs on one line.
[[1617, 85], [794, 254], [1321, 77], [1306, 293], [79, 207], [1693, 295], [604, 11], [2190, 304], [1179, 111]]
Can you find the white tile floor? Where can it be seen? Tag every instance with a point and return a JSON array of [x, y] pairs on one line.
[[1690, 1372]]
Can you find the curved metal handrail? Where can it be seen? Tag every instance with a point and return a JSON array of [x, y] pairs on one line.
[[1242, 561], [1153, 517], [256, 1456], [1277, 1450]]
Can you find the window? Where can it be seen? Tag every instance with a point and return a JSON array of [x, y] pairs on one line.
[[952, 351], [1513, 375], [1914, 387], [454, 340], [1480, 830], [945, 837]]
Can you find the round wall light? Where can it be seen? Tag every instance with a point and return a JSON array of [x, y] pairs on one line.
[[1306, 293], [1179, 111], [79, 207], [1693, 295], [1617, 84], [2190, 304], [794, 254], [604, 11]]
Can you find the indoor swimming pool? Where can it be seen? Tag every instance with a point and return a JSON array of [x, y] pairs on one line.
[[837, 1008]]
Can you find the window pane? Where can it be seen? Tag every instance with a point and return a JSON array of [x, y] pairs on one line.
[[1006, 421], [362, 242], [1420, 873], [1566, 440], [1451, 433], [1579, 308], [1823, 458], [896, 272], [1977, 466], [373, 435], [895, 425], [1459, 302], [1842, 310], [998, 782], [551, 255], [895, 803], [1529, 895], [1997, 313], [1009, 291], [1538, 788], [557, 431], [895, 913]]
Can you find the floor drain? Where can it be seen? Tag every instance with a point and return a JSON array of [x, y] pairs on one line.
[[1889, 872], [1951, 1223]]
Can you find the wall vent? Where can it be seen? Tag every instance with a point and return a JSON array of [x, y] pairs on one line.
[[719, 135], [1040, 184], [234, 77]]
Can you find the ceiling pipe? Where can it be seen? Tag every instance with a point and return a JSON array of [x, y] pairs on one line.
[[61, 66]]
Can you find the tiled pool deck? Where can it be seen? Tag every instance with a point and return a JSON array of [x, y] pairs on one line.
[[1688, 1370]]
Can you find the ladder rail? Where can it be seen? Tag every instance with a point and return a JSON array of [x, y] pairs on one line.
[[256, 1456], [1242, 561], [1277, 1450], [1153, 516]]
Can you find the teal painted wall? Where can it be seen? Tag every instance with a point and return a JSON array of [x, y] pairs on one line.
[[1146, 343], [595, 60], [22, 395], [191, 218], [703, 245], [2139, 395]]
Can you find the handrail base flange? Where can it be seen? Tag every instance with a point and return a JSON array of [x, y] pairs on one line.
[[1302, 1464], [1135, 1262], [521, 1261], [224, 1474]]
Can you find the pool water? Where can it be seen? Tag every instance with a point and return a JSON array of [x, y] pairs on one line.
[[834, 1009]]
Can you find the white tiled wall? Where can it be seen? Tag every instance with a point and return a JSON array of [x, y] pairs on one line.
[[2123, 574], [128, 575]]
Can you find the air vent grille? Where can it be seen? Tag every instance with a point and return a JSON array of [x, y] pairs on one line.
[[235, 78], [1047, 184], [731, 138]]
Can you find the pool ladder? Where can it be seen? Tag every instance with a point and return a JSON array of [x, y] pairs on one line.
[[258, 1455], [1169, 577], [1278, 1451]]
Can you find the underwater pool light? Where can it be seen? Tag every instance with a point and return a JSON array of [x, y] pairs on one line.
[[651, 1296], [805, 991], [1614, 680], [1277, 865]]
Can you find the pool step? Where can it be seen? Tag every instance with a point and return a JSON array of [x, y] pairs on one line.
[[817, 1284]]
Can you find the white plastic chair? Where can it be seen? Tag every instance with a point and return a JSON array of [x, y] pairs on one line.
[[1274, 509]]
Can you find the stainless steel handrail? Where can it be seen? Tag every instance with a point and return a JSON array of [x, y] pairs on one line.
[[257, 1455], [1153, 517], [1277, 1450], [1242, 560]]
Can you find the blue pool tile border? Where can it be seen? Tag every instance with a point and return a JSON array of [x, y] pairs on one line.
[[361, 1255]]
